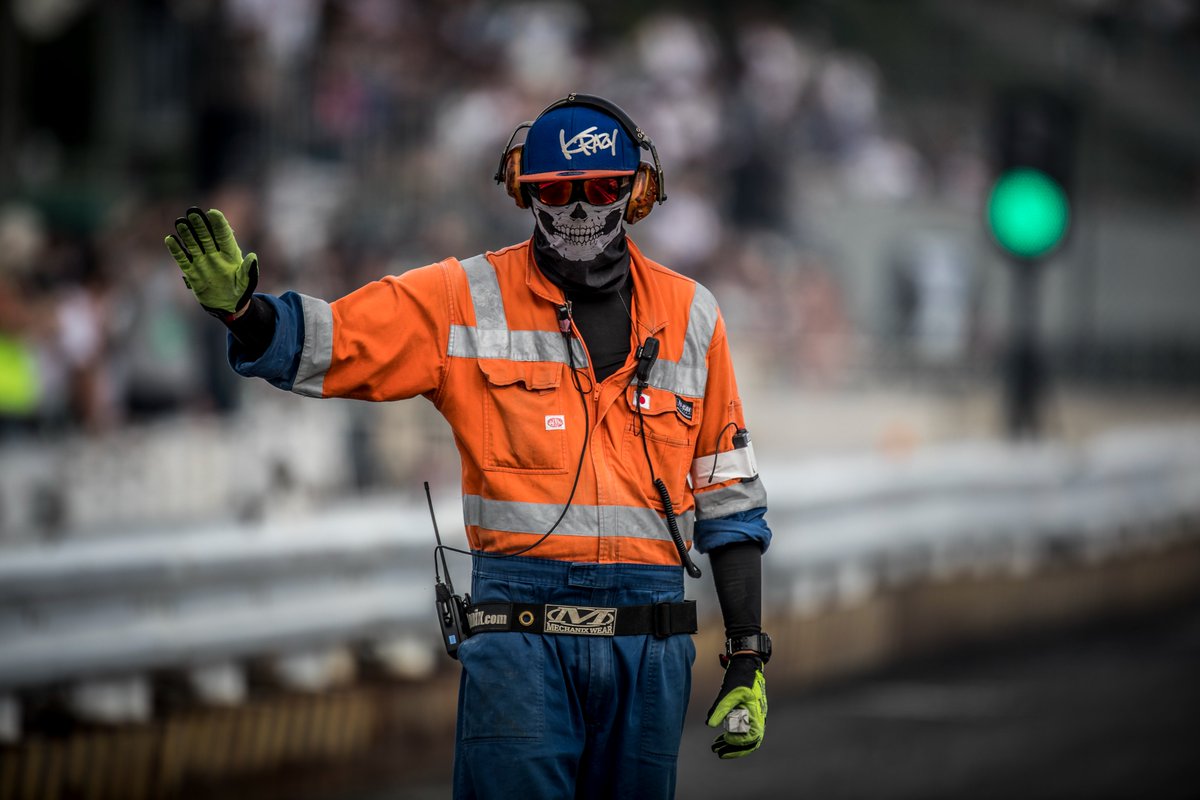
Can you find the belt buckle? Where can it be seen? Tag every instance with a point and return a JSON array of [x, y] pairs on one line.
[[580, 620]]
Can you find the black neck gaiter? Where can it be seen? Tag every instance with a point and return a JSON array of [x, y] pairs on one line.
[[603, 274], [599, 291]]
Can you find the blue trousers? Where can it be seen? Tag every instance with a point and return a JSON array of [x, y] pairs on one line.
[[563, 716]]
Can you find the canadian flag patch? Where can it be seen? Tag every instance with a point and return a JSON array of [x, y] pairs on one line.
[[555, 422]]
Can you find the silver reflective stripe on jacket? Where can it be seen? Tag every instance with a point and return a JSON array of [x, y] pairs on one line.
[[485, 294], [317, 352], [689, 375], [730, 499], [469, 342], [491, 338], [581, 520]]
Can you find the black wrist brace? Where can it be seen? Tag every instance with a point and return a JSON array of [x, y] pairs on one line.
[[737, 573], [255, 328]]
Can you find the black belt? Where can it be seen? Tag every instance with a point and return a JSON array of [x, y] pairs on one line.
[[661, 619]]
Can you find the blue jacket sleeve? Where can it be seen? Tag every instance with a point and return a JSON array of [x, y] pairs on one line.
[[280, 361], [741, 526]]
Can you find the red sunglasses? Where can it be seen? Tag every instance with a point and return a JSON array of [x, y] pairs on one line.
[[597, 191]]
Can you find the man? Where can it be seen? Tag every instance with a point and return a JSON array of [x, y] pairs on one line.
[[597, 417]]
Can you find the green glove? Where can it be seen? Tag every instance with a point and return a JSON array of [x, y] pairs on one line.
[[213, 268], [744, 686]]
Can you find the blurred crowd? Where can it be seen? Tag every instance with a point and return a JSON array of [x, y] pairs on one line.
[[349, 139]]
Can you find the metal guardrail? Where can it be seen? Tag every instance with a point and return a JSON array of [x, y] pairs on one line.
[[207, 598], [212, 594], [855, 523]]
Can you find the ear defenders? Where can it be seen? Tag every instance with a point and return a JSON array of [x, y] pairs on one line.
[[648, 184]]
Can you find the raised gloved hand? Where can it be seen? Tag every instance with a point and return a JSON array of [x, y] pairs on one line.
[[213, 267], [743, 686]]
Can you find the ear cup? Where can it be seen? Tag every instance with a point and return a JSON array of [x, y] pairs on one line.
[[512, 172], [642, 195]]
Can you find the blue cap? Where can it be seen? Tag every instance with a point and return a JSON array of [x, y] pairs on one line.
[[575, 141]]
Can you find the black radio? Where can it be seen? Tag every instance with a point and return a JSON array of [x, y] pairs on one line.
[[451, 608], [452, 617]]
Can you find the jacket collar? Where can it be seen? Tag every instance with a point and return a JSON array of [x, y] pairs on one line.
[[648, 309]]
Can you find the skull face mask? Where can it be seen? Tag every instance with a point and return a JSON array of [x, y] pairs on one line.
[[579, 231]]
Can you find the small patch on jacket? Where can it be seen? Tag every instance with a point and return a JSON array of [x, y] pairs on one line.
[[555, 422], [684, 407]]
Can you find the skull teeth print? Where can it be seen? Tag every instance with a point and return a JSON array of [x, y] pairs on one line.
[[580, 231], [581, 235]]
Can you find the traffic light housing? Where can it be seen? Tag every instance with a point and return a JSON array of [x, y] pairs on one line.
[[1029, 217], [1029, 204]]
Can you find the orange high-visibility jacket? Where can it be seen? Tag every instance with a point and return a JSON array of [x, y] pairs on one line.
[[481, 340]]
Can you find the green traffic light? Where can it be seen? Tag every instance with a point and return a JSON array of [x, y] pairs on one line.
[[1028, 212]]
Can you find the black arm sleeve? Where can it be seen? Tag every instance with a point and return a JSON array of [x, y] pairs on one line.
[[255, 328], [737, 573]]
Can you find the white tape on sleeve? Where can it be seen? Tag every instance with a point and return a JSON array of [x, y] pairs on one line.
[[721, 467]]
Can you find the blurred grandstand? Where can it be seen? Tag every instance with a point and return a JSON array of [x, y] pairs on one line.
[[176, 543]]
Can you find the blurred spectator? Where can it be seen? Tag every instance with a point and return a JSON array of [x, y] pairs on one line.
[[21, 240], [354, 137], [346, 137], [930, 297]]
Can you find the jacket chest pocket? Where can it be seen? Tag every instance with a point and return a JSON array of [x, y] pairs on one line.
[[670, 424], [524, 425]]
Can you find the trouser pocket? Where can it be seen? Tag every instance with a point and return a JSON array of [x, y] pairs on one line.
[[665, 693], [503, 687]]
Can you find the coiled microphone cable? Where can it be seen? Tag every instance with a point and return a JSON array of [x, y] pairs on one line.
[[647, 354]]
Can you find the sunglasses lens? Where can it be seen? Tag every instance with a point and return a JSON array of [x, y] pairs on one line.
[[557, 193], [597, 191], [601, 191]]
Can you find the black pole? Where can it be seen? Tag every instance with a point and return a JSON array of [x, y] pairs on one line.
[[11, 117], [1024, 368]]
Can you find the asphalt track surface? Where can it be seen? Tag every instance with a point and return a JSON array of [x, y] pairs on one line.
[[1106, 712], [1110, 711]]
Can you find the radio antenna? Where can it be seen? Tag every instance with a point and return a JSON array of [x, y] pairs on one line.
[[439, 550]]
